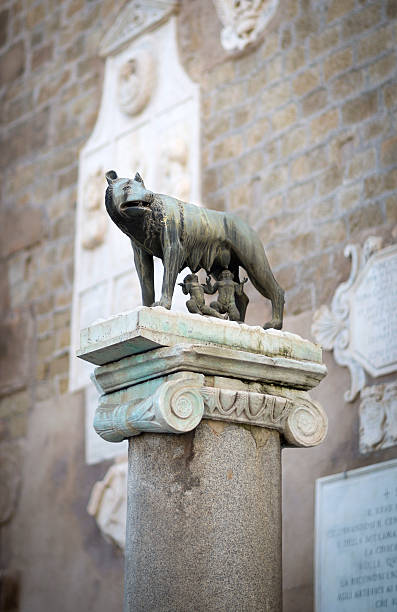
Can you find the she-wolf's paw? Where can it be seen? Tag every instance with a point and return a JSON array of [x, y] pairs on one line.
[[273, 324], [164, 303]]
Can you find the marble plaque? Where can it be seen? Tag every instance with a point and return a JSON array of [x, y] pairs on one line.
[[361, 325], [373, 314], [356, 540]]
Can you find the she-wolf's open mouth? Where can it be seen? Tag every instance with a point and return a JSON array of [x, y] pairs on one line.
[[144, 203], [135, 204]]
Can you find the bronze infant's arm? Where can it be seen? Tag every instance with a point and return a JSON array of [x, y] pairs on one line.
[[240, 286], [208, 288], [184, 288]]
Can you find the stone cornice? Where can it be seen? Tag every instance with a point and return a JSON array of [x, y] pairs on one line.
[[211, 361]]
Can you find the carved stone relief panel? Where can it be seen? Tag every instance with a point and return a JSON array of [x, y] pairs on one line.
[[108, 503], [174, 163], [243, 21], [378, 417], [94, 218], [148, 122], [10, 480], [361, 325], [124, 286], [131, 154]]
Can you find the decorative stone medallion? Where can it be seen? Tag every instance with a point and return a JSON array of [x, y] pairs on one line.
[[243, 21], [136, 81], [361, 325]]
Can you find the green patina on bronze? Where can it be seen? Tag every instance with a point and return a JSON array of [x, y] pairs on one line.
[[184, 235]]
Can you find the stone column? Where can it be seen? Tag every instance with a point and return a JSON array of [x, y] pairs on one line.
[[204, 520], [207, 405]]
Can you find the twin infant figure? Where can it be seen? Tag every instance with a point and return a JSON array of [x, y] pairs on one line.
[[225, 306]]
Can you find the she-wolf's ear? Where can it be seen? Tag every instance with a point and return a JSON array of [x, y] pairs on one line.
[[111, 176], [138, 178]]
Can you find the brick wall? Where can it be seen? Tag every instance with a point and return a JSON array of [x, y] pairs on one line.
[[300, 137]]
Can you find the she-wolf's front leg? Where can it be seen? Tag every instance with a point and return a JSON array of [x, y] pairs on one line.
[[172, 260], [144, 268]]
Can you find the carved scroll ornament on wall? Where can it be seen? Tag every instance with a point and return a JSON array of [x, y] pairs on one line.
[[108, 503], [243, 21], [361, 325]]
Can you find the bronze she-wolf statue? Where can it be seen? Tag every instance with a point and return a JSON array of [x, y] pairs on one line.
[[184, 235]]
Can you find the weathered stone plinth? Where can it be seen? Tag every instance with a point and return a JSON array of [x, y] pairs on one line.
[[204, 506]]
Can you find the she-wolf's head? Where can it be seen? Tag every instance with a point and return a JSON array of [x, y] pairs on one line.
[[128, 195]]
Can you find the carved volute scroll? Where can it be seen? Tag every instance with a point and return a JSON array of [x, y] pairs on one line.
[[179, 404], [243, 21], [306, 425], [176, 407]]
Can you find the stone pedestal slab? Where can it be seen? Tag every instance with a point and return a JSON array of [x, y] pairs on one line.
[[203, 508], [144, 328]]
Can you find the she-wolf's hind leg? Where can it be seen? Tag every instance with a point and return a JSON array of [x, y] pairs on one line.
[[277, 308], [263, 280]]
